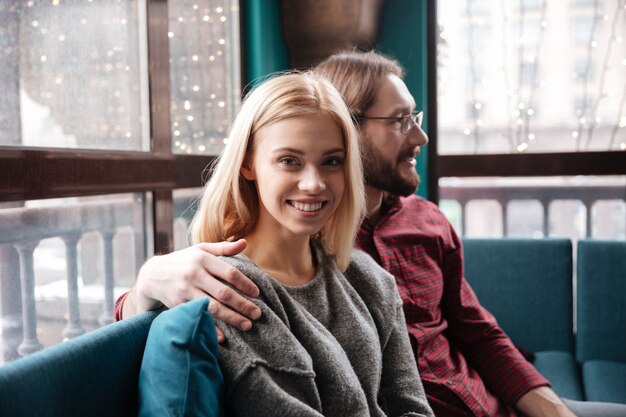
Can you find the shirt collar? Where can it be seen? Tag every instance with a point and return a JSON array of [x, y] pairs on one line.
[[390, 205]]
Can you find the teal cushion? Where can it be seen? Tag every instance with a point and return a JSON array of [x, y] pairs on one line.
[[601, 316], [605, 381], [562, 371], [527, 285], [180, 373]]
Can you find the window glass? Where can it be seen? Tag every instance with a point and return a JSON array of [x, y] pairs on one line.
[[514, 58], [68, 259], [572, 207], [186, 203], [204, 73], [73, 74]]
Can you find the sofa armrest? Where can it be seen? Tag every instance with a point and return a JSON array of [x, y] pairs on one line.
[[605, 381], [561, 369], [92, 375]]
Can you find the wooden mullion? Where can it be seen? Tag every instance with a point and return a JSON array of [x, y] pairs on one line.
[[160, 124], [432, 157], [30, 173], [532, 165], [192, 170]]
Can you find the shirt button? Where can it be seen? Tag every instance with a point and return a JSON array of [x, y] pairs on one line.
[[449, 383]]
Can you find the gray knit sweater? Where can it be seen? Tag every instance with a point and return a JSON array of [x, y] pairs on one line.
[[336, 346]]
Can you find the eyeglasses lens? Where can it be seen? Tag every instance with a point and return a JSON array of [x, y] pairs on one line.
[[410, 122]]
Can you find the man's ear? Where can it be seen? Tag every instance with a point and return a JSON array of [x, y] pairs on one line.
[[247, 171]]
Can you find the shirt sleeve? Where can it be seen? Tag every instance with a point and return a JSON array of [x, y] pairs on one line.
[[119, 307], [401, 386], [477, 334]]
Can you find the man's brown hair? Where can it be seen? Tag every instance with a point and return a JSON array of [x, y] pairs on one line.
[[357, 76]]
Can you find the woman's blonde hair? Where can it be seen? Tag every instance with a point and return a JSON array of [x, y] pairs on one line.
[[229, 207]]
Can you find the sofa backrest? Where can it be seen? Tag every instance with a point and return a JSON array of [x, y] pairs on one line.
[[92, 375], [527, 284], [601, 300]]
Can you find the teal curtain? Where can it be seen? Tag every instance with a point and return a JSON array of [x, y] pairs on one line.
[[403, 35], [265, 47]]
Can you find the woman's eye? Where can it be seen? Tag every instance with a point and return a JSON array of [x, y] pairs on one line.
[[288, 161], [334, 162]]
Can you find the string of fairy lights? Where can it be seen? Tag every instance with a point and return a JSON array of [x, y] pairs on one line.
[[204, 94], [83, 64], [79, 74], [591, 45], [602, 94], [526, 105], [474, 31], [504, 44], [522, 27]]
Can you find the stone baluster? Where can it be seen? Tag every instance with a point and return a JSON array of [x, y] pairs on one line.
[[545, 204], [107, 314], [589, 223], [30, 343], [11, 302], [73, 327], [504, 204], [463, 204]]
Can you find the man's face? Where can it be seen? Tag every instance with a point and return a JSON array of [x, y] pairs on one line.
[[389, 155]]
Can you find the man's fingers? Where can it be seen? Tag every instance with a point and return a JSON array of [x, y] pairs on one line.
[[223, 248], [231, 298], [220, 335], [221, 270], [228, 316]]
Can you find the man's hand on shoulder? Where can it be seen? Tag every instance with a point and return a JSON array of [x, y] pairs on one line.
[[193, 273], [542, 401]]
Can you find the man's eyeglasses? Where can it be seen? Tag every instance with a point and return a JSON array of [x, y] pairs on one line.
[[408, 122]]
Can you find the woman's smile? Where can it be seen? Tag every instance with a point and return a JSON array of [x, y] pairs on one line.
[[297, 165]]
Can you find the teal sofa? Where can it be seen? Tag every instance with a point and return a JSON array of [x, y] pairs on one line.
[[93, 375], [527, 284], [601, 312]]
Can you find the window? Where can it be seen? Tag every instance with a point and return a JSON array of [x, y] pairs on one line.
[[74, 76], [547, 155], [517, 77], [583, 30], [95, 178], [573, 207], [528, 74], [583, 69]]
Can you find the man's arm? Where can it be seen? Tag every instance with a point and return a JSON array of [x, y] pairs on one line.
[[192, 273], [477, 334], [543, 402]]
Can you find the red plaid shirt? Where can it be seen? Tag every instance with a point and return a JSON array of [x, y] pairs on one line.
[[469, 367], [119, 305]]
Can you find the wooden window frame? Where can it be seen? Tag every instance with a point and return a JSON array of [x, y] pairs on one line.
[[28, 173]]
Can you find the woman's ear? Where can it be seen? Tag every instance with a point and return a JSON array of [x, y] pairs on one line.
[[247, 171]]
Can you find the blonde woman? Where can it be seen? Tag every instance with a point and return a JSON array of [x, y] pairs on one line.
[[332, 339]]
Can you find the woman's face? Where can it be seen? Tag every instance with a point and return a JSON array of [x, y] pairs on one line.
[[298, 167]]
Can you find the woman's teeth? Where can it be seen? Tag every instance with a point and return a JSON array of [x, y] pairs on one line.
[[307, 206]]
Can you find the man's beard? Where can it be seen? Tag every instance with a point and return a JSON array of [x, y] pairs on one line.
[[383, 175]]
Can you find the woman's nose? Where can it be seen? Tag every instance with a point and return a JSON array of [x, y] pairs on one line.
[[311, 181]]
